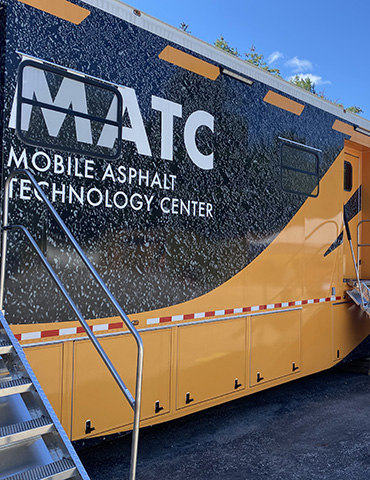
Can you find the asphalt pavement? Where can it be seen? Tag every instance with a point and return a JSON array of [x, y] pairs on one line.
[[313, 428]]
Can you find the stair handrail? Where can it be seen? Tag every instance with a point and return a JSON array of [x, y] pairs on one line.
[[358, 238], [135, 403], [50, 411], [349, 236]]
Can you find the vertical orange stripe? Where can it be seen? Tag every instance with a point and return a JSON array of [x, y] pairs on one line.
[[61, 9], [343, 127], [283, 102], [347, 129], [189, 62]]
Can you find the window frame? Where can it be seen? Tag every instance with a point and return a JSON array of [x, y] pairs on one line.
[[346, 162], [305, 148], [82, 78]]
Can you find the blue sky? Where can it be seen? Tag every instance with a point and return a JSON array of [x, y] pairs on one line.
[[326, 39]]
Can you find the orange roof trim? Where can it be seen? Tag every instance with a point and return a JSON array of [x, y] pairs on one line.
[[60, 8]]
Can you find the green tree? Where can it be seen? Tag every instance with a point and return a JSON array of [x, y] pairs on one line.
[[224, 45], [252, 57], [354, 109], [185, 27], [309, 85], [258, 60], [306, 83]]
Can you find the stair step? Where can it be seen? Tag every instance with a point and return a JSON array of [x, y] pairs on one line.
[[30, 448], [355, 296], [12, 387], [59, 470], [25, 430], [5, 347]]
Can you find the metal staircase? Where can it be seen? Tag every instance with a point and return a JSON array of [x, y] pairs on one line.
[[360, 292], [33, 444], [13, 381]]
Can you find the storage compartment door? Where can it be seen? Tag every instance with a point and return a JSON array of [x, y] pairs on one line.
[[211, 361], [275, 346], [96, 396]]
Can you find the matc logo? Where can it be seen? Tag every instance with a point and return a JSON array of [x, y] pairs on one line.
[[62, 110]]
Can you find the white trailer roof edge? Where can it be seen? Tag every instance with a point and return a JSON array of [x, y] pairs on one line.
[[219, 57]]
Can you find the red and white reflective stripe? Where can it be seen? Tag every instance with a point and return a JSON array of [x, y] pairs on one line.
[[62, 332], [233, 311]]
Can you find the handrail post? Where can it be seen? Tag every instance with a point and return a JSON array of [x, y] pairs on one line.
[[358, 238], [4, 246], [137, 412], [346, 224], [135, 403]]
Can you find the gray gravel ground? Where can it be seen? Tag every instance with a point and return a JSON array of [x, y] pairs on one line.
[[314, 428]]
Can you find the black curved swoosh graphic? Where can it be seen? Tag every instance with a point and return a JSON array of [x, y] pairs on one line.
[[352, 208]]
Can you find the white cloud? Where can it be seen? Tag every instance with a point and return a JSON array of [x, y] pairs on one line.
[[274, 57], [316, 79], [298, 65]]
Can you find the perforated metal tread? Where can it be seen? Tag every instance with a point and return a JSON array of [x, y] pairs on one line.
[[355, 296], [25, 430], [362, 302], [60, 470], [31, 434], [18, 385], [5, 347]]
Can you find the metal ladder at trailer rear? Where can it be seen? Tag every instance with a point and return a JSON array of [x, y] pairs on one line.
[[360, 292], [134, 402], [33, 444]]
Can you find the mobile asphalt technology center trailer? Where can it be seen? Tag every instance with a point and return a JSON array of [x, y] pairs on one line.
[[185, 213]]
